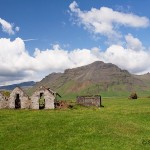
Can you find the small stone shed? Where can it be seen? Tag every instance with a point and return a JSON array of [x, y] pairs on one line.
[[43, 98], [18, 99], [3, 101], [89, 100]]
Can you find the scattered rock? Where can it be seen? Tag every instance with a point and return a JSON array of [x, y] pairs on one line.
[[133, 96]]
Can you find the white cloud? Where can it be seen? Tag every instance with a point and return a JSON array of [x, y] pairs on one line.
[[58, 59], [133, 43], [129, 59], [17, 29], [8, 27], [106, 21], [14, 59], [17, 65], [27, 40]]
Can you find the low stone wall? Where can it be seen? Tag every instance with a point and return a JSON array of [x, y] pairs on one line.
[[89, 100], [3, 101]]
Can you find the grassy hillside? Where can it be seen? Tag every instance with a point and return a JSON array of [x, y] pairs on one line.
[[96, 78], [122, 124], [120, 90]]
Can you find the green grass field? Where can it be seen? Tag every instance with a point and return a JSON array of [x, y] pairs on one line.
[[122, 124]]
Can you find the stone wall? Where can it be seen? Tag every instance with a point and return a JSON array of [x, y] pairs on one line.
[[3, 101], [48, 96], [25, 102], [89, 100], [24, 99]]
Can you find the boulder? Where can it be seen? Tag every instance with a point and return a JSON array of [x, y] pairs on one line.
[[133, 96]]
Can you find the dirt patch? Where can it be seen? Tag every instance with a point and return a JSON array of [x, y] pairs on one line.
[[62, 105]]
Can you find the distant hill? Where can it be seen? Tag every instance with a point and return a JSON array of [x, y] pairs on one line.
[[22, 85], [96, 78]]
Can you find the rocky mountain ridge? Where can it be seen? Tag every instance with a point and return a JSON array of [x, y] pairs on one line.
[[97, 77]]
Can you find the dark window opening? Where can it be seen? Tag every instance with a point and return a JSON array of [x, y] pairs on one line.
[[17, 102], [41, 101]]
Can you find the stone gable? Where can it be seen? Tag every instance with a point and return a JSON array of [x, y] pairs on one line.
[[48, 98], [18, 99]]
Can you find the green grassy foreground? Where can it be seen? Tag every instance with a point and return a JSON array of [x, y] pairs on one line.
[[122, 124]]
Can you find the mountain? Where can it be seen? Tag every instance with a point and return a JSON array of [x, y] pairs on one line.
[[96, 78], [22, 85]]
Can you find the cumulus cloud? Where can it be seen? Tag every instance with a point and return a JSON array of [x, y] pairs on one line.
[[133, 43], [8, 27], [105, 21], [14, 59], [58, 59], [17, 65], [129, 59]]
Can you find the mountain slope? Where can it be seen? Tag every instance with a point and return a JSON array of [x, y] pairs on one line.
[[95, 78], [22, 85]]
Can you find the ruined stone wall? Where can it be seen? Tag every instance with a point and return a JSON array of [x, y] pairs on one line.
[[25, 102], [3, 101], [89, 100], [35, 100], [49, 99], [23, 98]]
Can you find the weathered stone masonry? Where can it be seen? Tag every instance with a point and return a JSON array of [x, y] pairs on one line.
[[48, 98], [89, 100], [20, 100], [3, 101]]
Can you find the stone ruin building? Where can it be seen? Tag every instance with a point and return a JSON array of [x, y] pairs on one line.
[[42, 98], [89, 100], [3, 101], [18, 99]]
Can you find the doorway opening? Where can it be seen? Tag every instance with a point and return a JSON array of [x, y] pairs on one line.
[[17, 102], [41, 101]]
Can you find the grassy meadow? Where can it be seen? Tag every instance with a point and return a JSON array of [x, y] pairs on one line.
[[122, 124]]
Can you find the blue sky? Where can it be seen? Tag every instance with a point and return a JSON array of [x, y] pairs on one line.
[[38, 37]]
